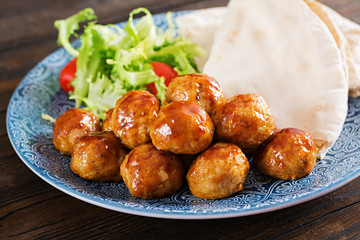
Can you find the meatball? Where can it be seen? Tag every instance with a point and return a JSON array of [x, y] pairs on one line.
[[182, 127], [288, 154], [218, 172], [197, 88], [244, 120], [98, 157], [132, 117], [71, 126], [151, 173], [106, 124]]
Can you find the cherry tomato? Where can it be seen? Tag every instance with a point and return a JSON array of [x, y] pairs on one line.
[[67, 74], [162, 70]]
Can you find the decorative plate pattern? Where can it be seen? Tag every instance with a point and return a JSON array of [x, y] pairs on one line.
[[31, 137]]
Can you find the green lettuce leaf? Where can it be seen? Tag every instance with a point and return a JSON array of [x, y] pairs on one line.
[[68, 27], [112, 61]]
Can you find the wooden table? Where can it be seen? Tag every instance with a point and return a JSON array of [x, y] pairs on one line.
[[32, 209]]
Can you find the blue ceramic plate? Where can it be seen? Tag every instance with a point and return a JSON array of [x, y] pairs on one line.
[[31, 138]]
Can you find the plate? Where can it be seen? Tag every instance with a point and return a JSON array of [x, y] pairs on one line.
[[31, 137]]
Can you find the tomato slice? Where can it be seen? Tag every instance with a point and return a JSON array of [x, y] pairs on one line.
[[67, 74], [162, 70]]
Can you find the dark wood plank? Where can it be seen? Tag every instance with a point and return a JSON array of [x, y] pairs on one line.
[[6, 148], [348, 8], [285, 224], [37, 19]]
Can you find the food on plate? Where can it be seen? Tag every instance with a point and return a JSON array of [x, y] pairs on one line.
[[113, 60], [218, 172], [293, 53], [106, 125], [198, 88], [244, 120], [66, 76], [150, 173], [288, 154], [162, 70], [200, 27], [98, 157], [132, 117], [71, 126], [182, 127], [339, 38], [294, 64], [351, 32]]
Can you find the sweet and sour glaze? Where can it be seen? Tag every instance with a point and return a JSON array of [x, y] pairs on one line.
[[182, 127], [180, 133], [71, 126], [244, 120], [150, 173], [98, 157], [289, 153], [197, 88], [132, 116], [218, 172]]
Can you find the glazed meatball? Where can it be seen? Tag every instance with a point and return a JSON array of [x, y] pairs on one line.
[[244, 120], [132, 117], [197, 88], [218, 172], [98, 157], [288, 154], [71, 126], [106, 124], [151, 173], [182, 127]]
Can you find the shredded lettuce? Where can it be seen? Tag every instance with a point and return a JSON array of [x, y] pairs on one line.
[[112, 61], [47, 117], [68, 27]]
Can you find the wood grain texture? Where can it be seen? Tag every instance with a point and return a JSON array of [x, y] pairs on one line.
[[32, 209]]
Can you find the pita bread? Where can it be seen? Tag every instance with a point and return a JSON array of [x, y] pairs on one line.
[[200, 27], [338, 36], [351, 31], [283, 51]]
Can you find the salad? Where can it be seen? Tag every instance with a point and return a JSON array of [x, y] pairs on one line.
[[112, 60]]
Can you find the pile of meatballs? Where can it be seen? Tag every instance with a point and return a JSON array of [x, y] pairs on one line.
[[196, 135]]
